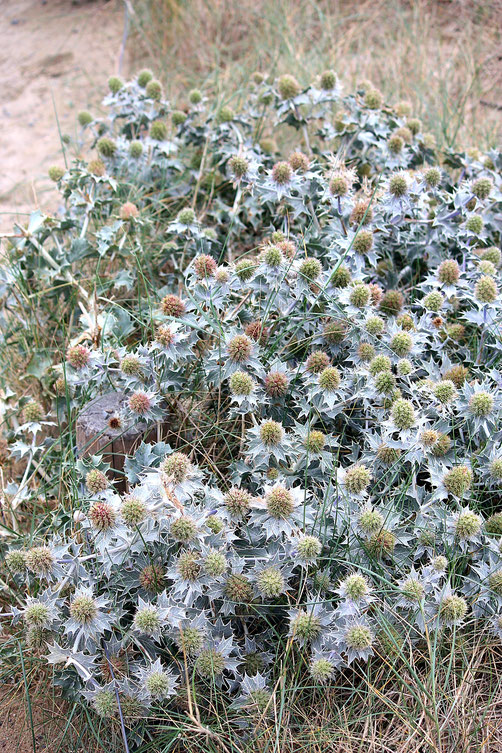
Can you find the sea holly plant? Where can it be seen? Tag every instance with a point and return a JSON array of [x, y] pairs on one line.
[[320, 329]]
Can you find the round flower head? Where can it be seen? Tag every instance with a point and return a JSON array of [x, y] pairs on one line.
[[282, 173], [78, 356], [412, 590], [97, 167], [458, 480], [360, 295], [177, 467], [363, 241], [398, 185], [186, 216], [15, 561], [33, 411], [378, 364], [310, 269], [496, 469], [385, 382], [204, 266], [257, 332], [317, 362], [493, 524], [270, 582], [188, 566], [334, 332], [395, 144], [482, 188], [322, 670], [151, 578], [210, 663], [288, 87], [280, 502], [452, 609], [388, 455], [474, 224], [147, 620], [276, 384], [309, 548], [237, 501], [403, 414], [359, 637], [241, 383], [366, 352], [486, 290], [329, 379], [357, 478], [432, 177], [238, 165], [102, 516], [299, 162], [106, 147], [362, 213], [140, 403], [215, 563], [306, 627], [381, 544], [433, 301], [240, 348], [115, 84], [153, 89], [495, 582], [238, 588], [172, 305], [467, 525], [315, 441], [445, 391], [492, 254], [271, 433], [373, 99], [481, 404], [392, 302], [341, 277], [183, 529], [39, 560], [355, 587], [96, 481], [55, 173]]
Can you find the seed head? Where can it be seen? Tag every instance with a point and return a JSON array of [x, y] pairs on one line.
[[363, 242], [317, 362], [382, 543], [241, 383], [238, 165], [474, 224], [482, 188], [299, 162], [403, 414], [151, 578], [415, 125], [83, 609], [495, 582], [183, 529], [458, 374], [388, 455], [238, 501], [238, 588], [39, 560], [310, 269], [306, 626], [380, 363], [172, 305], [96, 481], [97, 167], [361, 214], [215, 563], [467, 525], [115, 84], [481, 404], [195, 96], [339, 184], [359, 637], [188, 566], [102, 516], [356, 586], [398, 185], [177, 466], [322, 670], [328, 80], [433, 301], [280, 502], [240, 348], [37, 614], [357, 478], [373, 99], [453, 608], [106, 147], [458, 480], [395, 144], [282, 173], [147, 620], [178, 117], [493, 524], [272, 256], [245, 268], [15, 560], [329, 379], [32, 411], [360, 295], [204, 266], [334, 332], [276, 384], [257, 332], [139, 402], [439, 563], [128, 211], [288, 87], [84, 118], [309, 547], [487, 268], [445, 391], [78, 356], [210, 663], [392, 302], [492, 254], [131, 366], [496, 469], [153, 90], [403, 108], [215, 524], [486, 290], [271, 582], [271, 433], [164, 335], [385, 382], [55, 173], [413, 590], [432, 177], [315, 441]]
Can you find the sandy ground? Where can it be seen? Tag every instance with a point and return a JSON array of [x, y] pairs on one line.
[[55, 58]]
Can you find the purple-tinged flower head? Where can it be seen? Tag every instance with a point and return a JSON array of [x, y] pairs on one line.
[[96, 481], [282, 173], [240, 348], [204, 266], [276, 384], [102, 516], [78, 357]]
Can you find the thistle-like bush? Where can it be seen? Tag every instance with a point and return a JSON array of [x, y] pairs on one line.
[[322, 336]]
